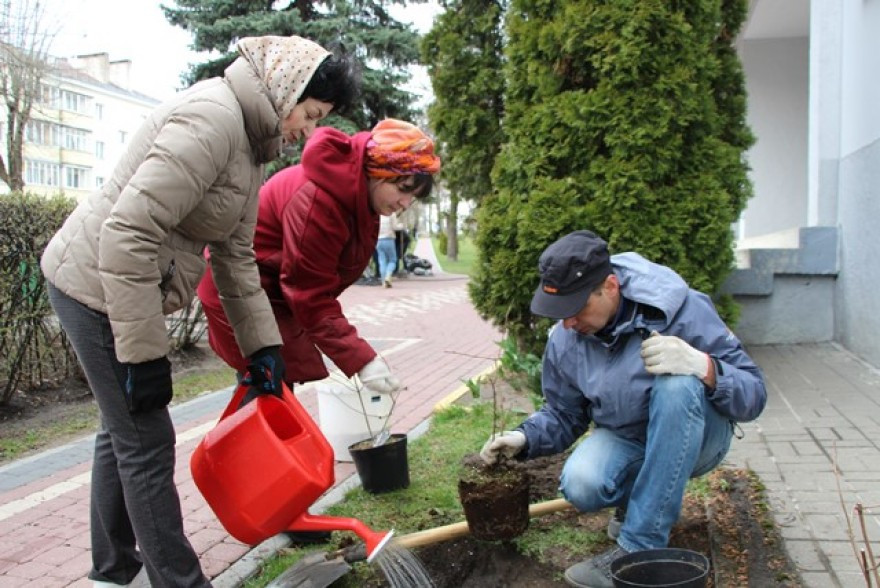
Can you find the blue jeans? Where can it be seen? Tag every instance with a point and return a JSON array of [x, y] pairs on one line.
[[387, 257], [686, 438]]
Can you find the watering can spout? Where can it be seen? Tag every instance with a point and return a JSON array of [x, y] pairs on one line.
[[375, 541]]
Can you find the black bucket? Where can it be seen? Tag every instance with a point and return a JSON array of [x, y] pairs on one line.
[[654, 568], [383, 468]]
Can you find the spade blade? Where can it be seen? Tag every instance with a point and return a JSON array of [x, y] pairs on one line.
[[312, 571]]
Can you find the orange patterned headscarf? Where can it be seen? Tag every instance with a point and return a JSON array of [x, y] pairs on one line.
[[399, 148]]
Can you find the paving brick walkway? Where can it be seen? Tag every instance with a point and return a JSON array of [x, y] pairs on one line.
[[824, 409], [424, 326]]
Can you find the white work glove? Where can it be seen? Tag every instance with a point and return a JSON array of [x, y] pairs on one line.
[[376, 377], [664, 354], [508, 443]]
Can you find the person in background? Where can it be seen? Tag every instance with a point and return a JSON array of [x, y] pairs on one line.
[[132, 253], [386, 248], [401, 242], [651, 365], [317, 229]]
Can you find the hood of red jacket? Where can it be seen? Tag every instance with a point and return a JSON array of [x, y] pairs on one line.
[[334, 161]]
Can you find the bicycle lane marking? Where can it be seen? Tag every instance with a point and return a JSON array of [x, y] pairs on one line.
[[37, 498]]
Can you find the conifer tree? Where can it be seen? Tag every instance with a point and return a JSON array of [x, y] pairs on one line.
[[384, 45], [625, 117], [463, 53]]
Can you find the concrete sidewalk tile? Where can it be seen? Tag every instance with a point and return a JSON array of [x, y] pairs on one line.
[[807, 448], [828, 527], [762, 465], [846, 567], [860, 473], [804, 555], [794, 532], [819, 580], [781, 449]]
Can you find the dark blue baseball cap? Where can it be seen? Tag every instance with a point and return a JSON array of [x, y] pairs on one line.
[[570, 269]]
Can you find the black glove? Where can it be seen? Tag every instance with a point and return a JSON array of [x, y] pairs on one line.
[[148, 385], [265, 373]]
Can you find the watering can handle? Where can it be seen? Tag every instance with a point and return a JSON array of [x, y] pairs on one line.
[[239, 393]]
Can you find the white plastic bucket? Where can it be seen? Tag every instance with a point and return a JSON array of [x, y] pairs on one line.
[[343, 419]]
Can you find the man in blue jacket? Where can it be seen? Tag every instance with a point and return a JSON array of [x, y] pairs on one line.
[[650, 363]]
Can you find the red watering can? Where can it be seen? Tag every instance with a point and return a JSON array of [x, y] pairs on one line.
[[264, 465]]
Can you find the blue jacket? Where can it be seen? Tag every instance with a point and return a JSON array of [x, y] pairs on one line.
[[586, 379]]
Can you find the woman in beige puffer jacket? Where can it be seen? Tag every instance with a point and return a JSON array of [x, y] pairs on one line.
[[133, 252]]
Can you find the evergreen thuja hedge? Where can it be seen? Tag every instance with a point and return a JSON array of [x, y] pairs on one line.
[[32, 347], [623, 117]]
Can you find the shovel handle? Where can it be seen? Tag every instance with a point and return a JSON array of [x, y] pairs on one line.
[[456, 530]]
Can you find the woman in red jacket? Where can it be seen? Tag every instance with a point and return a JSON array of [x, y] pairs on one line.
[[316, 231]]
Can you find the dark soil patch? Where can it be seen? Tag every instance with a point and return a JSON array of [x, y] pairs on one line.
[[731, 527]]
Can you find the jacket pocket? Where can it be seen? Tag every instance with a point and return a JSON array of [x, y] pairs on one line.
[[180, 276]]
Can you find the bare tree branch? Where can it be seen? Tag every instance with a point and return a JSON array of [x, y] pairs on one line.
[[25, 41]]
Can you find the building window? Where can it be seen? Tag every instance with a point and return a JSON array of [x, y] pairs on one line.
[[75, 102], [50, 96], [99, 182], [75, 177], [99, 149], [122, 137], [99, 111], [75, 139], [41, 173], [41, 132]]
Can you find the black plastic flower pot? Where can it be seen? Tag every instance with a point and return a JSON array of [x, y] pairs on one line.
[[383, 468], [656, 568]]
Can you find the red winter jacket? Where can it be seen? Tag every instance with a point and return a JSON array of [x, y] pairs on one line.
[[316, 232]]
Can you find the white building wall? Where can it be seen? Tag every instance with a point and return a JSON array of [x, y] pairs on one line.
[[122, 117], [112, 116], [858, 211], [860, 80], [776, 82]]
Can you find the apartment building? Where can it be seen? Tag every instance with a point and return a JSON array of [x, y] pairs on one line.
[[84, 117]]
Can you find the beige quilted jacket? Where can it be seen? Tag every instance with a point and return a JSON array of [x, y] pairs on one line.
[[189, 178]]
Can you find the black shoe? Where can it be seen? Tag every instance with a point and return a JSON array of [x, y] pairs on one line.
[[307, 537]]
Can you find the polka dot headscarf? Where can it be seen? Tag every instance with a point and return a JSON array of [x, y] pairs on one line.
[[285, 64]]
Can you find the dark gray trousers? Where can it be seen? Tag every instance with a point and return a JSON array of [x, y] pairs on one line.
[[134, 500]]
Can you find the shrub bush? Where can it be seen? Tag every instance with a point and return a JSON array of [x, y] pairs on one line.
[[442, 243], [33, 349], [626, 118]]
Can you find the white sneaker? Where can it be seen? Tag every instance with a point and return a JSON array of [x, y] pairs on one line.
[[139, 581]]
